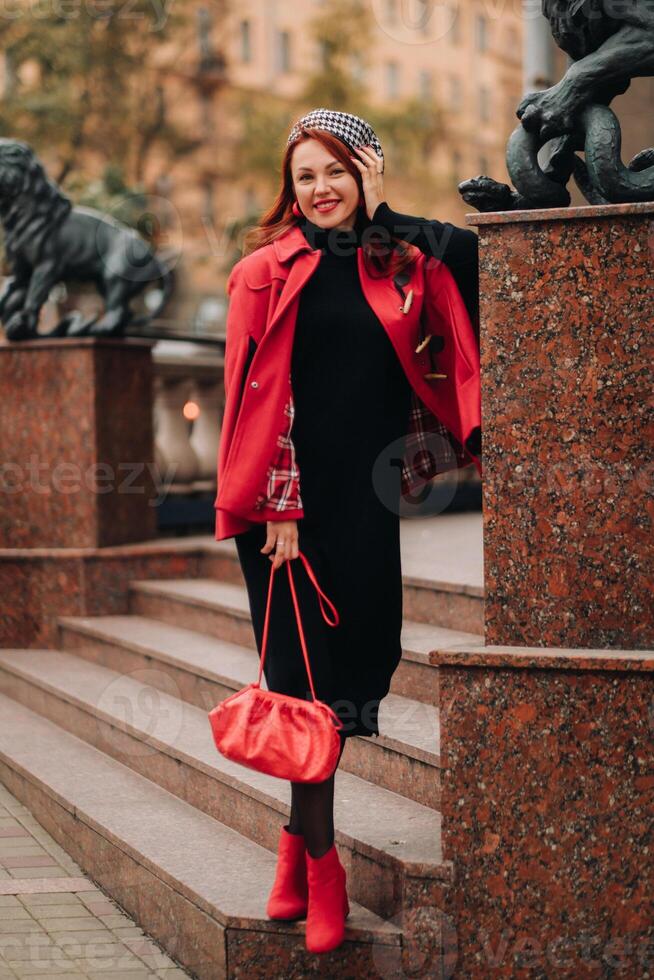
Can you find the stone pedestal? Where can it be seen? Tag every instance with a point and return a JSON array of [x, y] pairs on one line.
[[546, 800], [76, 443], [567, 310]]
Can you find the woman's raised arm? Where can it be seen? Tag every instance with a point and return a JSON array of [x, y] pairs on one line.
[[456, 247]]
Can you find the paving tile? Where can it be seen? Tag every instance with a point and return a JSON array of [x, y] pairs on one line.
[[98, 906], [92, 891], [23, 945], [36, 885], [39, 872], [158, 961], [9, 852], [49, 976], [12, 839], [116, 920], [8, 912], [64, 911], [110, 964], [34, 949], [40, 860], [75, 923], [120, 974], [107, 950], [39, 968], [128, 932], [66, 938], [51, 898], [143, 946], [91, 953], [18, 926]]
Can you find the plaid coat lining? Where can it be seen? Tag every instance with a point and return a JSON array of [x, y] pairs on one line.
[[283, 477], [429, 449]]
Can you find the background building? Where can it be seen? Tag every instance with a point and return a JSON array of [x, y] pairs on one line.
[[179, 124]]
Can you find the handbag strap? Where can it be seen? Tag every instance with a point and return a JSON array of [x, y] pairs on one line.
[[321, 596]]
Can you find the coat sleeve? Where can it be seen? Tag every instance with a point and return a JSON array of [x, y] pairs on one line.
[[235, 348], [456, 247], [445, 305]]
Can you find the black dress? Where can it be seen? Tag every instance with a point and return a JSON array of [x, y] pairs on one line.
[[352, 400]]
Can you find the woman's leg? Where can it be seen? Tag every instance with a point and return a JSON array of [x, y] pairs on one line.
[[312, 804], [285, 670], [312, 812]]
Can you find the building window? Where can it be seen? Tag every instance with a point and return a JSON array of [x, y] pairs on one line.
[[250, 201], [392, 79], [358, 69], [484, 103], [513, 48], [425, 10], [208, 204], [456, 92], [246, 41], [453, 21], [456, 166], [283, 51], [425, 85], [481, 33]]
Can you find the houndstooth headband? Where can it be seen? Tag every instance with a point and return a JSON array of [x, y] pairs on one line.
[[350, 129]]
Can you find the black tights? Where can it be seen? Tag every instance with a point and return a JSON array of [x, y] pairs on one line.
[[312, 812]]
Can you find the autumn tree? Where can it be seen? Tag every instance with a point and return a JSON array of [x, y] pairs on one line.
[[81, 84]]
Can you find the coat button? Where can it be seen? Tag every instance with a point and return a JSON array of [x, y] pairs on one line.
[[254, 384]]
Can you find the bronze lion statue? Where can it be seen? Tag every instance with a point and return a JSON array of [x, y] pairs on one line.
[[48, 240], [610, 43]]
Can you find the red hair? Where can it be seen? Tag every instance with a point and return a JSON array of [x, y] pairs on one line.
[[383, 258]]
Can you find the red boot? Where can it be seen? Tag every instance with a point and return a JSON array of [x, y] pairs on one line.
[[288, 898], [328, 904]]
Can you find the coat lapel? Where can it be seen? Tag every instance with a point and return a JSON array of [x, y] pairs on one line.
[[386, 301], [292, 245]]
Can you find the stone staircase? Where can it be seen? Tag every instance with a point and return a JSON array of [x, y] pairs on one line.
[[106, 739]]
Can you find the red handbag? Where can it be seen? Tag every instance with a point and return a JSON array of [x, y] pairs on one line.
[[274, 733]]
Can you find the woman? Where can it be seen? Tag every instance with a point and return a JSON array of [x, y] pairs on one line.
[[326, 476]]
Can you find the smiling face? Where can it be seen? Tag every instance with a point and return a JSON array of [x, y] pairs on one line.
[[319, 177]]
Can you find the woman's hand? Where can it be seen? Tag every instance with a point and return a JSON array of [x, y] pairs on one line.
[[370, 165], [283, 537]]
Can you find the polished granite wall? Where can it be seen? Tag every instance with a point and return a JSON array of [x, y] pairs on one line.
[[548, 814], [76, 438], [567, 344]]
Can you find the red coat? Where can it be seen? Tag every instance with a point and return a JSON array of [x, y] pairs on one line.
[[264, 289]]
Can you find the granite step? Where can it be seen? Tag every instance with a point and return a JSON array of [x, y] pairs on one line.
[[453, 605], [389, 844], [221, 610], [205, 670], [194, 884]]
